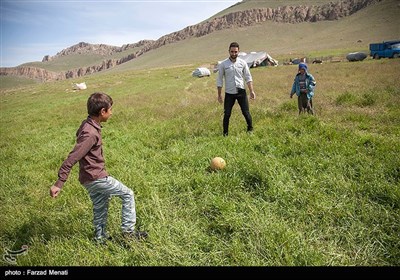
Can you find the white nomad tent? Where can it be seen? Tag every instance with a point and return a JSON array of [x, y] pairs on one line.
[[255, 59], [80, 86], [201, 72]]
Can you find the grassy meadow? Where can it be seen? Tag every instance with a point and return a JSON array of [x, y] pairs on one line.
[[305, 190]]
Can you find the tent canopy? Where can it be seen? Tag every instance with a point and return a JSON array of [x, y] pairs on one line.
[[201, 72], [80, 86], [255, 59], [356, 56]]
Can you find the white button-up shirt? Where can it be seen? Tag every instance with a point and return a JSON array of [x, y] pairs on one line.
[[236, 73]]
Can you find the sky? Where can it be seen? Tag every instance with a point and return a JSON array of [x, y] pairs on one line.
[[31, 29]]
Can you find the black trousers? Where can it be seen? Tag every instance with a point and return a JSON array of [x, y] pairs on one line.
[[243, 101]]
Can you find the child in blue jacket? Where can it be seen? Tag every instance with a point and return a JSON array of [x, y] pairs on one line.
[[303, 86]]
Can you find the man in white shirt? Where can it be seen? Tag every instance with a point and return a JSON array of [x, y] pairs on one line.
[[236, 72]]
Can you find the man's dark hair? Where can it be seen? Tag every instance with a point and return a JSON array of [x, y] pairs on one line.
[[234, 45], [98, 101]]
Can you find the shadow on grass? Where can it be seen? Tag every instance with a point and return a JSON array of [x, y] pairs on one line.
[[37, 228]]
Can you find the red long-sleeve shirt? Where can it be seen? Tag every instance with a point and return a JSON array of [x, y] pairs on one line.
[[88, 151]]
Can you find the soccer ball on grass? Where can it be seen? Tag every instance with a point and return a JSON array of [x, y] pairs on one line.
[[217, 163]]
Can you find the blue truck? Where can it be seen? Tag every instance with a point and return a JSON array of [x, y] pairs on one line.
[[390, 49]]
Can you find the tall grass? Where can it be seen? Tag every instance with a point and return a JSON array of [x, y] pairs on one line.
[[300, 191]]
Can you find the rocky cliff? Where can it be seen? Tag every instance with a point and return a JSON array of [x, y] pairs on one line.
[[100, 49], [34, 73], [285, 14]]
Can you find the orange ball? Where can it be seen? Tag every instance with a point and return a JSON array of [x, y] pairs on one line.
[[217, 163]]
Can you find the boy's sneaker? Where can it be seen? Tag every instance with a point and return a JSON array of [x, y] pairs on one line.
[[138, 235], [102, 240]]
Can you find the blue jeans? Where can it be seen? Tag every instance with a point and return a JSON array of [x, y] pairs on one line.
[[100, 192], [229, 101]]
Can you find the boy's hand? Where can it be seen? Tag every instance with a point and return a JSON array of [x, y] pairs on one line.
[[54, 191], [291, 95]]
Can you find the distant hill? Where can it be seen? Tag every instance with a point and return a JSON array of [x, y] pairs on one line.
[[312, 28]]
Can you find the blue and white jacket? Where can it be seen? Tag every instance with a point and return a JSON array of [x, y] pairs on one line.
[[310, 85]]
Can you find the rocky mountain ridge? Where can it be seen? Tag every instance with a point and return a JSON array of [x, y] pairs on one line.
[[100, 49], [284, 14]]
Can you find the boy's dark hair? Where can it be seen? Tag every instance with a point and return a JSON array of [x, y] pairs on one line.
[[98, 101], [234, 45]]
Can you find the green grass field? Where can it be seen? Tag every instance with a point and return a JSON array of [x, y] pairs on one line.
[[318, 190]]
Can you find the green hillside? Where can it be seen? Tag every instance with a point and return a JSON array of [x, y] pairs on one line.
[[282, 40]]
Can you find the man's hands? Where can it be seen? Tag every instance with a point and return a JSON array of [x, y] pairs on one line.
[[54, 191], [220, 99]]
